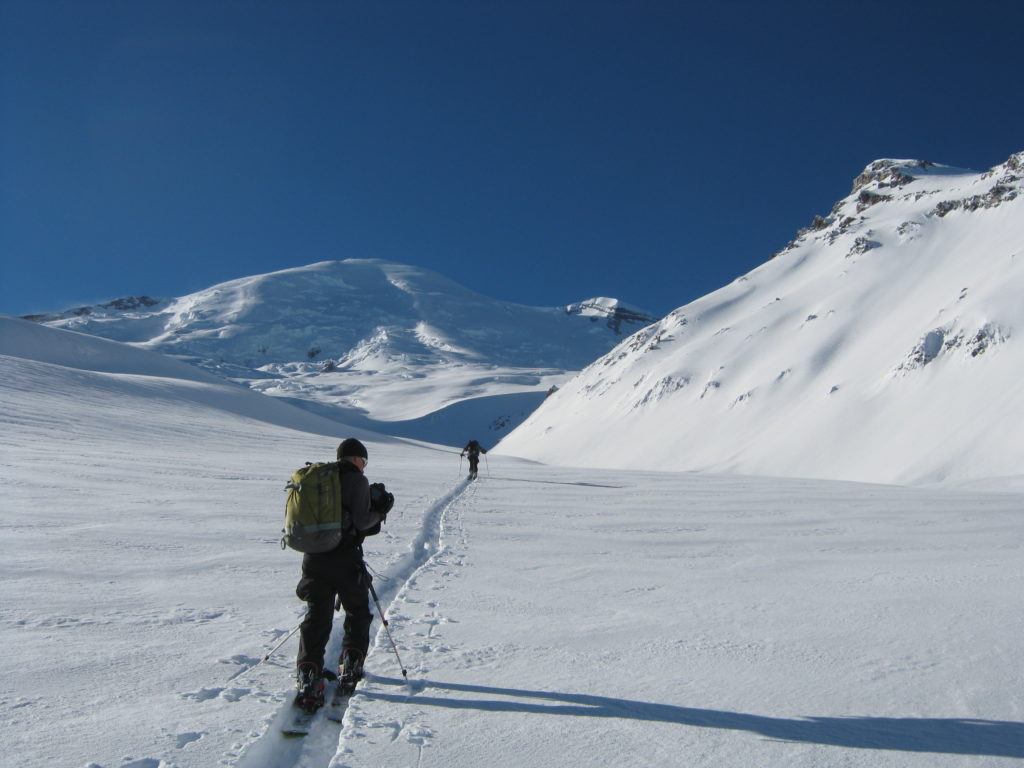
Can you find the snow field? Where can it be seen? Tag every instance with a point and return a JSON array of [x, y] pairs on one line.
[[547, 615], [579, 616]]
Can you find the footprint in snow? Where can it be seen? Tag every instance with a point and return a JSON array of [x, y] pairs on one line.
[[205, 694], [183, 739], [239, 658], [418, 734]]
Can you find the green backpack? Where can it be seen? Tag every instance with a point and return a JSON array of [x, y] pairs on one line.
[[314, 518]]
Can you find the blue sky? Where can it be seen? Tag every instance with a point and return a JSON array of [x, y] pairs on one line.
[[536, 151]]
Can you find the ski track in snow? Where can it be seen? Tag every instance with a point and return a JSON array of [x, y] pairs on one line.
[[440, 527], [326, 739]]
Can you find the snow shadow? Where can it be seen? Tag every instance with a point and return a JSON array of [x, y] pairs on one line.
[[555, 482], [936, 735], [449, 425]]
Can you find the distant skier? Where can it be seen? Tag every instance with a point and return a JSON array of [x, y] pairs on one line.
[[341, 575], [473, 449]]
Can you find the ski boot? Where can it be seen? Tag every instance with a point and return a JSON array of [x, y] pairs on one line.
[[310, 683], [351, 670]]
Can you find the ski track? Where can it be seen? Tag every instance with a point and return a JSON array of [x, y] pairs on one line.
[[326, 739]]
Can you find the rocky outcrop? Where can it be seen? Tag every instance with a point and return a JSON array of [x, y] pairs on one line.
[[889, 173], [124, 304], [945, 341]]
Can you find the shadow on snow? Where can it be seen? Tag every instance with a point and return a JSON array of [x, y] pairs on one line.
[[555, 482], [939, 735]]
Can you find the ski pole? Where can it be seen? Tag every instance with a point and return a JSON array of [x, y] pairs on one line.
[[387, 627], [460, 465], [488, 465], [267, 657]]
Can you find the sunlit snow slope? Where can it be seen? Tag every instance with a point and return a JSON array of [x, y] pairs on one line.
[[884, 344], [378, 344]]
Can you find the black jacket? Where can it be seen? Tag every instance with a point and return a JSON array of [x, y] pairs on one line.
[[473, 448], [355, 497]]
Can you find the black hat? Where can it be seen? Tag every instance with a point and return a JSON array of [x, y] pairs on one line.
[[351, 447]]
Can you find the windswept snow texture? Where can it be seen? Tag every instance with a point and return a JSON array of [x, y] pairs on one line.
[[885, 344], [378, 344], [546, 615]]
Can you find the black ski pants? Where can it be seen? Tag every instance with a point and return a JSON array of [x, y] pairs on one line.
[[326, 577]]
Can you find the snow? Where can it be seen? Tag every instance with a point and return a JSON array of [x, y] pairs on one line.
[[546, 614], [884, 345], [344, 338]]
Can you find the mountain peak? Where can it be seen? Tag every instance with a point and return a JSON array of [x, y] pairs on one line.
[[891, 173], [381, 340]]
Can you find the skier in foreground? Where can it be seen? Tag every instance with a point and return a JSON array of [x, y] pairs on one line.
[[473, 449], [341, 575]]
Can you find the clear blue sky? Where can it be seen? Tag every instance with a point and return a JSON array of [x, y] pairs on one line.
[[540, 151]]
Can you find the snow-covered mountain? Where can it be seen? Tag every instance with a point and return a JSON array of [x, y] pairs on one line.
[[884, 343], [371, 341]]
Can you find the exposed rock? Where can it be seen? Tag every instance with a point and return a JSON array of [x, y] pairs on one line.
[[908, 230], [124, 304], [131, 302], [991, 199], [711, 386], [943, 341], [868, 198], [615, 314], [862, 245], [662, 388], [841, 229], [888, 173]]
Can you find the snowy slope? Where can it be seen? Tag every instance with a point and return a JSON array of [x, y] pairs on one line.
[[547, 616], [32, 350], [883, 344], [373, 341], [141, 568]]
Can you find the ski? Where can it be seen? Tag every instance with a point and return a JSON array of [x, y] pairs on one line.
[[339, 701], [300, 722]]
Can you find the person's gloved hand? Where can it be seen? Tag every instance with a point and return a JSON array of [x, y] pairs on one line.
[[381, 501]]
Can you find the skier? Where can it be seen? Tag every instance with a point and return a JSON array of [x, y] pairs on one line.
[[341, 575], [473, 449]]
